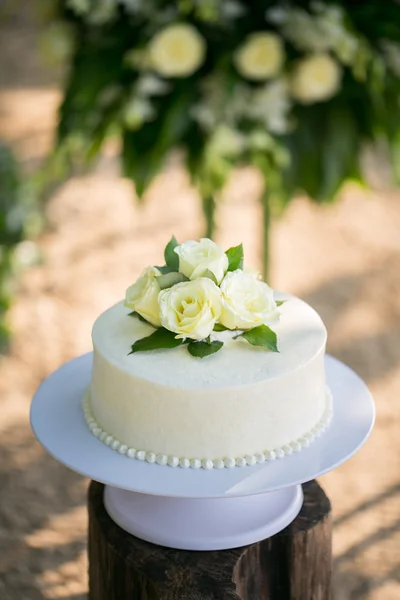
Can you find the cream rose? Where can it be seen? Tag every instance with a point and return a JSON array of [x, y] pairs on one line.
[[191, 309], [177, 50], [142, 296], [315, 78], [261, 56], [246, 301], [195, 258]]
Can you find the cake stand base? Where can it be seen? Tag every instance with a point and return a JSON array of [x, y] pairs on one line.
[[203, 523]]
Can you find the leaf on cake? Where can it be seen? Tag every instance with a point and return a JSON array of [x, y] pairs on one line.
[[171, 257], [280, 302], [170, 279], [235, 257], [165, 269], [219, 327], [160, 339], [261, 336], [202, 349], [138, 316]]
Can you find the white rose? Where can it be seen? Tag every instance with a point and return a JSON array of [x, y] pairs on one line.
[[261, 56], [195, 258], [191, 309], [177, 51], [142, 296], [315, 78], [246, 301]]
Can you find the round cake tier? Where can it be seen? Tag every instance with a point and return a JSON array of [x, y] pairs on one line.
[[241, 401]]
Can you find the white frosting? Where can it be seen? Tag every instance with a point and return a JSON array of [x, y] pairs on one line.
[[235, 403], [301, 337], [219, 463]]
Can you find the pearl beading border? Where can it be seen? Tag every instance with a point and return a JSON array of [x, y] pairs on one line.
[[196, 463]]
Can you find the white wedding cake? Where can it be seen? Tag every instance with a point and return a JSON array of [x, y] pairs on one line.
[[243, 393]]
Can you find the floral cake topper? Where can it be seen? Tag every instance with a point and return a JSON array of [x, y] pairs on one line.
[[201, 290]]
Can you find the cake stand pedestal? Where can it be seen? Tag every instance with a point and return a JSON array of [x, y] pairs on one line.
[[197, 509], [295, 564], [203, 523]]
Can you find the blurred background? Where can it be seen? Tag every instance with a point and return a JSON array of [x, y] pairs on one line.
[[70, 253]]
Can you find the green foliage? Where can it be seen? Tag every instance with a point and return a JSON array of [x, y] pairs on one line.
[[160, 339], [203, 349], [210, 275], [261, 336], [138, 316], [16, 217], [170, 279], [316, 151], [219, 327], [171, 258], [235, 257]]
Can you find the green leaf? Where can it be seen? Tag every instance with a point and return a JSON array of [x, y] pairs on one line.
[[170, 279], [171, 257], [235, 257], [161, 338], [202, 349], [219, 327], [138, 316], [261, 336], [210, 275], [144, 151], [280, 302], [165, 269]]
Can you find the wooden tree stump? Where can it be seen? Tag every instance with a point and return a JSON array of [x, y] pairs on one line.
[[295, 564]]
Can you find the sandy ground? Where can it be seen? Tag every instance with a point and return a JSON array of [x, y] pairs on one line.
[[344, 260]]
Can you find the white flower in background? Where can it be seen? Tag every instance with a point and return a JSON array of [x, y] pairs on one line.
[[277, 15], [246, 301], [260, 57], [195, 258], [177, 50], [191, 309], [392, 55], [150, 85], [315, 78], [142, 296], [138, 111], [204, 115], [238, 104], [271, 104], [322, 30], [232, 10], [226, 141], [80, 7]]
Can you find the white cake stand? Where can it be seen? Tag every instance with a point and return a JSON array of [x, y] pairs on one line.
[[197, 509]]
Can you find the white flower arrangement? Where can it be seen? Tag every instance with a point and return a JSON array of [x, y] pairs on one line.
[[260, 57], [315, 78], [293, 90], [200, 290], [176, 51]]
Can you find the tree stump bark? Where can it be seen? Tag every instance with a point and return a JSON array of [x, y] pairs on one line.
[[295, 564]]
